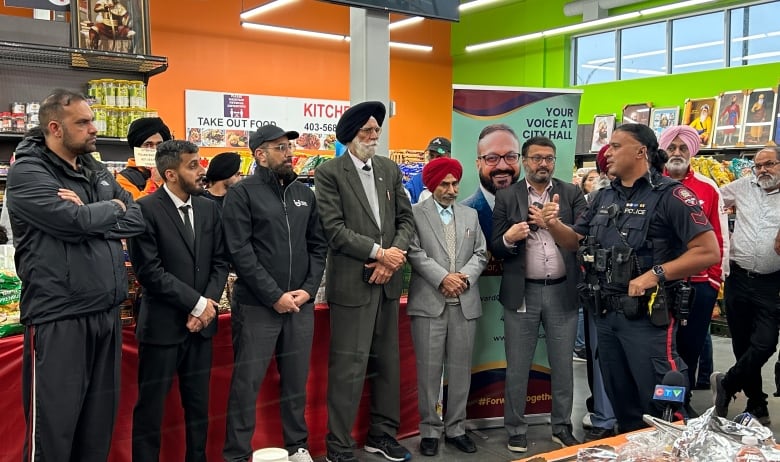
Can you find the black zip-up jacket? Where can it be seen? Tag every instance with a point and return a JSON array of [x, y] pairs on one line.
[[69, 257], [274, 236]]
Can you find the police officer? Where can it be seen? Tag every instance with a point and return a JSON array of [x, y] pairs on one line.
[[642, 235]]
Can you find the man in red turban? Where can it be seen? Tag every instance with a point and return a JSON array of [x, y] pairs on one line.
[[436, 170], [447, 256]]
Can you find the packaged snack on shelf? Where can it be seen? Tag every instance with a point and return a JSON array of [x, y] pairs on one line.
[[741, 167], [10, 292]]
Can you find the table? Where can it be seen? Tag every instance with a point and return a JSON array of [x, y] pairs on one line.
[[268, 431]]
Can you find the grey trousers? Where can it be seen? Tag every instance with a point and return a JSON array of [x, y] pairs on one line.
[[258, 332], [552, 307], [448, 338], [363, 345]]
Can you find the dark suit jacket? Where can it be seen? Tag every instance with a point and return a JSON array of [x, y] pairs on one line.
[[512, 207], [173, 274], [478, 202], [350, 227]]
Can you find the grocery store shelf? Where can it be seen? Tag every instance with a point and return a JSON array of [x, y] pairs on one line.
[[33, 55]]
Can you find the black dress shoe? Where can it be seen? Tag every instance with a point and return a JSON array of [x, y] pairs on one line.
[[462, 442], [429, 446]]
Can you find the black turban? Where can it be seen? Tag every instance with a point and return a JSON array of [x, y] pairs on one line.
[[141, 129], [355, 117], [223, 166]]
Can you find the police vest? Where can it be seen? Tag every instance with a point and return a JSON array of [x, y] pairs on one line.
[[624, 222]]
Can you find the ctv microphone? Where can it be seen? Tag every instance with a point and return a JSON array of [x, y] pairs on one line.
[[670, 393]]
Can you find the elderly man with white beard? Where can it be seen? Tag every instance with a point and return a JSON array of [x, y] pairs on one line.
[[682, 142], [751, 291]]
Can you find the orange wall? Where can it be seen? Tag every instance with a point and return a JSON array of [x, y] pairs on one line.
[[220, 55], [217, 54]]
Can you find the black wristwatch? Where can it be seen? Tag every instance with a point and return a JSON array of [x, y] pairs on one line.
[[658, 270]]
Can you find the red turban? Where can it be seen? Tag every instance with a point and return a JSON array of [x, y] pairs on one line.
[[601, 159], [436, 170]]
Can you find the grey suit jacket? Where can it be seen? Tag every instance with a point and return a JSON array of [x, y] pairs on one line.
[[350, 227], [431, 263], [512, 207]]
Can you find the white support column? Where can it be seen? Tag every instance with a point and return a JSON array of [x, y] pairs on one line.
[[369, 63]]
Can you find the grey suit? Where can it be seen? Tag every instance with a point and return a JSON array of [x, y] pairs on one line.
[[554, 306], [439, 327], [363, 317]]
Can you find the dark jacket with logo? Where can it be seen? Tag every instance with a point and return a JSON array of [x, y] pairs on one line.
[[274, 236], [69, 257]]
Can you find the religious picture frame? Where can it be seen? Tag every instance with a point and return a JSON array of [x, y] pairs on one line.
[[662, 118], [603, 125], [697, 114], [760, 111], [729, 119], [118, 26], [637, 113]]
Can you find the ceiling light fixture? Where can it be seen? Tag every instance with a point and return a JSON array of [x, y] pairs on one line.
[[291, 31], [580, 26], [273, 4], [405, 22], [411, 46], [475, 4], [327, 36], [673, 6]]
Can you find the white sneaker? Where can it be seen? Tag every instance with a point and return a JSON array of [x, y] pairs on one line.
[[586, 423], [301, 455]]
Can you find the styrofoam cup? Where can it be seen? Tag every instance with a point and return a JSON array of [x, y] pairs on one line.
[[270, 455]]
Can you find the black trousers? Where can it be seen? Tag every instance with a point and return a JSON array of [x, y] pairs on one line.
[[70, 388], [634, 356], [753, 315], [260, 334], [691, 337], [157, 366]]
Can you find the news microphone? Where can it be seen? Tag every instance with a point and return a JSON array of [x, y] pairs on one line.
[[671, 394]]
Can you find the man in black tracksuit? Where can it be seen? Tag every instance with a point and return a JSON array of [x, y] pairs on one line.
[[275, 239], [68, 217]]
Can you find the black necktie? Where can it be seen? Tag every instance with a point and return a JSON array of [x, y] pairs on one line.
[[366, 168], [185, 210]]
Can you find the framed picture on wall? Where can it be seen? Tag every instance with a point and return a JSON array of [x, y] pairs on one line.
[[729, 119], [603, 125], [777, 117], [637, 113], [120, 26], [663, 117], [697, 114], [759, 117]]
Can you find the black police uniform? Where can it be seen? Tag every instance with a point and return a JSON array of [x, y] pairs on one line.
[[656, 217]]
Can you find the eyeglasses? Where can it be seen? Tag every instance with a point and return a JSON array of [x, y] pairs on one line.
[[368, 130], [282, 147], [493, 159], [765, 165], [539, 159]]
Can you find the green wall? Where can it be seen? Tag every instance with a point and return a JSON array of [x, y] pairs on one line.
[[546, 62]]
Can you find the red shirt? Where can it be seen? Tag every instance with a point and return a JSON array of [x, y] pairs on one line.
[[712, 204]]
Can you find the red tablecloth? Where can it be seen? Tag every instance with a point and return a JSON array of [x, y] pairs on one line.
[[268, 431]]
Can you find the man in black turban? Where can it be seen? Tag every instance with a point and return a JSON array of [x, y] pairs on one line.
[[355, 117], [368, 222], [146, 132], [224, 171]]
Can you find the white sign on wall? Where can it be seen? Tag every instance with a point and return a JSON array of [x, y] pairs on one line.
[[217, 119]]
